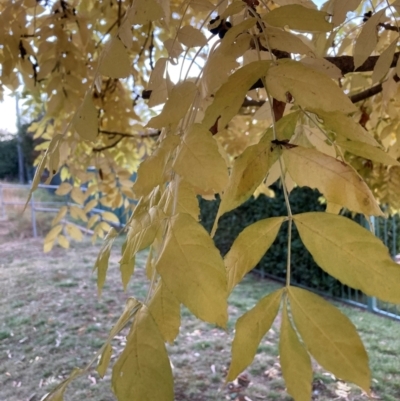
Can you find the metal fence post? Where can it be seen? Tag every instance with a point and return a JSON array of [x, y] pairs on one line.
[[2, 203], [33, 216], [371, 304]]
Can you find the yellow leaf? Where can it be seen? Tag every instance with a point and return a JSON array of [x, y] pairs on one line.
[[60, 215], [324, 66], [58, 393], [350, 253], [191, 37], [144, 11], [368, 152], [165, 309], [90, 205], [330, 337], [384, 61], [298, 18], [201, 5], [235, 7], [286, 41], [199, 162], [185, 199], [341, 8], [174, 49], [142, 230], [345, 127], [101, 264], [63, 241], [78, 213], [178, 103], [248, 171], [93, 220], [249, 247], [74, 232], [111, 217], [77, 195], [193, 270], [153, 170], [104, 360], [115, 62], [249, 330], [367, 39], [143, 359], [64, 189], [85, 120], [337, 181], [309, 88], [53, 233], [229, 98], [294, 360]]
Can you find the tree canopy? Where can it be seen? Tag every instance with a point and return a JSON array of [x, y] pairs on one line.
[[203, 98]]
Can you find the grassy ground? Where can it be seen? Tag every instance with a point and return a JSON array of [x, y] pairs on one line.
[[52, 321]]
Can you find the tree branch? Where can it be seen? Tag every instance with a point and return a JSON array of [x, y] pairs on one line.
[[112, 145], [127, 135], [370, 92], [346, 63]]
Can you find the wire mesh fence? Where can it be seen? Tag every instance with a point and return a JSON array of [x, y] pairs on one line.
[[13, 197]]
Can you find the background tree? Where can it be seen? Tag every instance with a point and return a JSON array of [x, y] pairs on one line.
[[254, 92]]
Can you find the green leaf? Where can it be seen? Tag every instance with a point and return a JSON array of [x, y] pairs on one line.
[[350, 253], [154, 170], [165, 309], [181, 97], [368, 152], [298, 18], [337, 181], [330, 337], [85, 120], [193, 270], [58, 393], [143, 371], [249, 330], [115, 62], [309, 88], [101, 264], [229, 97], [199, 162], [249, 247], [295, 361]]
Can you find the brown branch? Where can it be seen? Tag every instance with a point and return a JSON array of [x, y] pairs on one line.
[[374, 90], [119, 12], [389, 27], [127, 135], [346, 63], [109, 146]]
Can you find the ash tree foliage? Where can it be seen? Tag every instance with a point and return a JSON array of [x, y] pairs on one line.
[[206, 98]]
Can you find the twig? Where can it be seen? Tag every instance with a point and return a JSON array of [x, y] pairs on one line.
[[109, 146], [119, 12], [370, 92], [127, 135]]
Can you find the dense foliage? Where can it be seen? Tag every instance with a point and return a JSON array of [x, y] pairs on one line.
[[217, 98], [305, 272]]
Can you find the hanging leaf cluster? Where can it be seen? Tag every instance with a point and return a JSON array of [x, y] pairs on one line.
[[203, 99]]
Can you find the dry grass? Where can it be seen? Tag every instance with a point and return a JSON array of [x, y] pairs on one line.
[[52, 321]]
